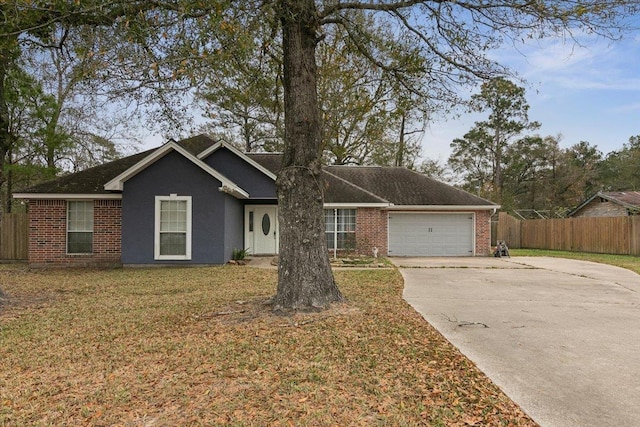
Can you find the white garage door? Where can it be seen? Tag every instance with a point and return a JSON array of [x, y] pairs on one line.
[[421, 234]]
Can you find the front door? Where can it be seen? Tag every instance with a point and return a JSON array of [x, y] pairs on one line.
[[261, 229]]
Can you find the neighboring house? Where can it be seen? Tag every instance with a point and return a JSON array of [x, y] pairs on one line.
[[611, 203], [194, 201]]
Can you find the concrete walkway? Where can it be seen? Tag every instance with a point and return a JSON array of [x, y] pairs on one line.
[[560, 337]]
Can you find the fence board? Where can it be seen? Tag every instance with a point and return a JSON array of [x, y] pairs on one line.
[[610, 235], [508, 229], [14, 238]]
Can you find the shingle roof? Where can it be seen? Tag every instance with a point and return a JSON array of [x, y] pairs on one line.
[[196, 144], [402, 186], [625, 198], [344, 184], [339, 190], [88, 181], [271, 161]]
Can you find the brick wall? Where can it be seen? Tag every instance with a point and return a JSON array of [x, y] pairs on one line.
[[372, 223], [48, 234], [483, 233], [371, 230]]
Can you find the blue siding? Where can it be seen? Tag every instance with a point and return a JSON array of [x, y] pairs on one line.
[[256, 183], [234, 227], [210, 210]]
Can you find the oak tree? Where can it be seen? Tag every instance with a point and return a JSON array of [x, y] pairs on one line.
[[451, 39]]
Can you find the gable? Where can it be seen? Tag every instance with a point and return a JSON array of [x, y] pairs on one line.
[[172, 173], [258, 184], [228, 186], [601, 208], [609, 203]]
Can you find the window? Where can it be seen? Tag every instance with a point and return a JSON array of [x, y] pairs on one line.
[[79, 227], [173, 227], [340, 228]]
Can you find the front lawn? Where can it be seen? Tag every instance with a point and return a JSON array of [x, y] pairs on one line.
[[625, 261], [199, 346]]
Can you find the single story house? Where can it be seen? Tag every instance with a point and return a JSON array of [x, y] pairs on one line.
[[608, 204], [196, 200]]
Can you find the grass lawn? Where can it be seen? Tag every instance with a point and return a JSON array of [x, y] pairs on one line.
[[626, 261], [199, 346]]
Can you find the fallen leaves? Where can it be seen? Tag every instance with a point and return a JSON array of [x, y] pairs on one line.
[[200, 347]]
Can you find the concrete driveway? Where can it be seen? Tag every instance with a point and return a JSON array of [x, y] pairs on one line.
[[560, 337]]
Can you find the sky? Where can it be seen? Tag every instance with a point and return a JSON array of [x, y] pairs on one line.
[[584, 93], [589, 93]]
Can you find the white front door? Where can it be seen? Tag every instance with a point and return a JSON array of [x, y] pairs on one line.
[[261, 229]]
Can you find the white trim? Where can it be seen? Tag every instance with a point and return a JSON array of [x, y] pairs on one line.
[[228, 186], [357, 205], [215, 147], [474, 218], [66, 196], [156, 231], [451, 208], [79, 231], [335, 248]]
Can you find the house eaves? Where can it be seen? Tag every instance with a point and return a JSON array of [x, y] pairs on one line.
[[357, 205], [68, 196], [117, 183], [443, 208]]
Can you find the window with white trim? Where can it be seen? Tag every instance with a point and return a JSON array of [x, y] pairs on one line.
[[173, 227], [79, 227], [340, 228]]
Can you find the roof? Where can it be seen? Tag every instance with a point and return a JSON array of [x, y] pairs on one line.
[[196, 144], [88, 181], [628, 199], [271, 161], [402, 186], [354, 185]]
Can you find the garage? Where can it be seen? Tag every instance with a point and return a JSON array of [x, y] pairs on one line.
[[431, 234]]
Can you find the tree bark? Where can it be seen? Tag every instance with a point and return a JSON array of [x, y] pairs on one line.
[[6, 55], [305, 279]]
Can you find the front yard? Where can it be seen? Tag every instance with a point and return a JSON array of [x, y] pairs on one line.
[[199, 346]]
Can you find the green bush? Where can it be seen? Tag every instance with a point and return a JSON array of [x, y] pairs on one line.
[[239, 254]]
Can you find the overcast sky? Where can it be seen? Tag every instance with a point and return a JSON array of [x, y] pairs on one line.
[[589, 93]]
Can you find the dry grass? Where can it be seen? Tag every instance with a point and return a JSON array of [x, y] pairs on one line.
[[168, 347]]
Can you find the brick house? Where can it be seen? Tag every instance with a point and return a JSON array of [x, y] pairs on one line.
[[194, 201]]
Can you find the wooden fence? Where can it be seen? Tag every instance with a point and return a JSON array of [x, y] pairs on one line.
[[610, 235], [14, 238], [509, 230]]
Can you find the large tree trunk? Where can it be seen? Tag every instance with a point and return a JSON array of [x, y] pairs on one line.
[[6, 56], [305, 279]]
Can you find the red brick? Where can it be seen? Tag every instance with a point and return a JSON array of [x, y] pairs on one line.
[[48, 234]]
